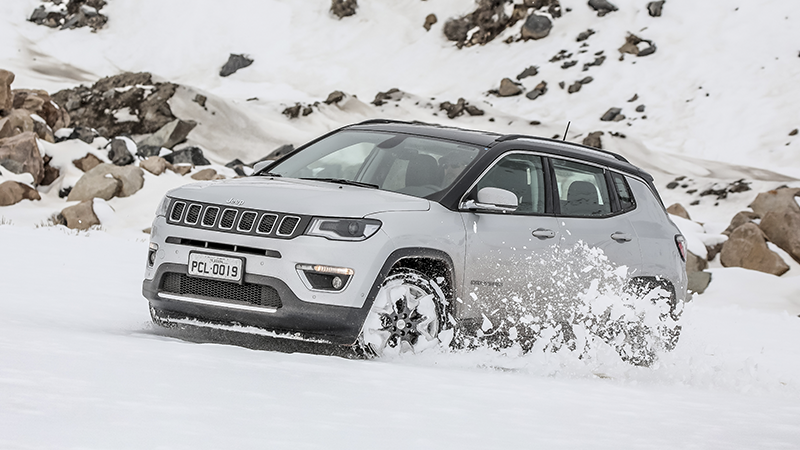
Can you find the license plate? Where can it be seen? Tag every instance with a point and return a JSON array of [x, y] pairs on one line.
[[216, 267]]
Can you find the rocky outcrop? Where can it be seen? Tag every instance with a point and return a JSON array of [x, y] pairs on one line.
[[80, 216], [234, 63], [73, 14], [12, 192], [490, 19], [107, 181], [334, 97], [343, 8], [39, 102], [20, 154], [108, 105], [747, 248], [15, 123], [392, 94], [189, 155], [459, 108]]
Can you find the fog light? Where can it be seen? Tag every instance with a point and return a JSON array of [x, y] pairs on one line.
[[324, 278], [337, 283], [151, 254]]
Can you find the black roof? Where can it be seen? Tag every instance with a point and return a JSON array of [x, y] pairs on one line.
[[491, 139]]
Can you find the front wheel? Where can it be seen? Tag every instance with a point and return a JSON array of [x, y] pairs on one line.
[[406, 316]]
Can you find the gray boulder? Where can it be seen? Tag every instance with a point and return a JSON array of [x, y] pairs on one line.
[[783, 229], [156, 165], [536, 27], [235, 62], [747, 248], [508, 88], [87, 163], [741, 218], [781, 199], [593, 140], [343, 8], [120, 153], [190, 155], [602, 7], [169, 135], [17, 121], [676, 209], [654, 8], [613, 115], [107, 181], [6, 98]]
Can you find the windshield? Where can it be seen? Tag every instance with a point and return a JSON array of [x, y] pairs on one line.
[[407, 164]]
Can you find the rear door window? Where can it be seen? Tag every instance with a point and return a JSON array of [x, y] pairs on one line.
[[582, 189]]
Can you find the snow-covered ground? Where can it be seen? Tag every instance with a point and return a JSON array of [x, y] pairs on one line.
[[82, 367]]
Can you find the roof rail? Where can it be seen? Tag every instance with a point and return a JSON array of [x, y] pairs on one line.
[[511, 137], [372, 121]]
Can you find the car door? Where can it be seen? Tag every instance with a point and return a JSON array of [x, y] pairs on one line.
[[505, 251], [592, 216]]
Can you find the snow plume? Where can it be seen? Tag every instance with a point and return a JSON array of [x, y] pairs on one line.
[[575, 301]]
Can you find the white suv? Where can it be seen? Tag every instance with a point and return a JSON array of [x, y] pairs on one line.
[[399, 236]]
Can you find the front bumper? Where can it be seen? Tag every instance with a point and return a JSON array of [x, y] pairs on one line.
[[293, 317]]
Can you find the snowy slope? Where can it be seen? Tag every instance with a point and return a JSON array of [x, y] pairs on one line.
[[81, 366]]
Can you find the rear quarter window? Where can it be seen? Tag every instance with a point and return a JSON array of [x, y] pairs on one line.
[[626, 200]]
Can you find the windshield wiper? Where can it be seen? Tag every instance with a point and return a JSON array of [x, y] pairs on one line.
[[268, 174], [344, 181]]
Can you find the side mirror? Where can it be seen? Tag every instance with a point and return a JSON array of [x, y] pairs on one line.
[[493, 200]]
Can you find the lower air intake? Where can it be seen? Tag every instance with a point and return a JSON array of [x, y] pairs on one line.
[[254, 294]]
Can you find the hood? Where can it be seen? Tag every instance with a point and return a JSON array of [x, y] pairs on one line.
[[292, 195]]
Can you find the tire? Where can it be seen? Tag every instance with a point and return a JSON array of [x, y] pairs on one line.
[[406, 316]]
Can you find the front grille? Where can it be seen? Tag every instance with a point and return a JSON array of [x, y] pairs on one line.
[[177, 211], [287, 225], [254, 294], [210, 217], [267, 223], [231, 219], [193, 214], [228, 219], [246, 221]]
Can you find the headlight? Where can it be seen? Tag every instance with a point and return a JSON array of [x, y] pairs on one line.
[[343, 229], [163, 207]]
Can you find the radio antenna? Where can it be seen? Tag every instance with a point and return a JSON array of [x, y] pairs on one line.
[[566, 131]]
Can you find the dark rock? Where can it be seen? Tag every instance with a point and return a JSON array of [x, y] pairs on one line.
[[654, 8], [189, 155], [457, 29], [146, 151], [334, 97], [392, 94], [51, 173], [279, 152], [584, 35], [473, 110], [490, 19], [602, 7], [83, 133], [119, 154], [234, 163], [612, 114], [529, 72], [634, 98], [698, 281], [672, 184], [508, 88], [307, 110], [574, 87], [170, 134], [293, 112], [200, 100], [430, 19], [793, 132], [453, 110], [640, 108], [235, 62], [713, 250], [561, 84], [6, 97], [568, 64], [586, 80], [538, 91], [536, 27], [343, 8], [593, 140], [561, 55]]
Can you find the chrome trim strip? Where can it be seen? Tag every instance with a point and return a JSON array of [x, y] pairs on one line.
[[200, 301]]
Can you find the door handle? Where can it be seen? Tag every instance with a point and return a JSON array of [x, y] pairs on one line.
[[544, 233], [621, 237]]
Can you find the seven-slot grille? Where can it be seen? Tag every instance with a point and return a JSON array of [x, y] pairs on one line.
[[236, 220]]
